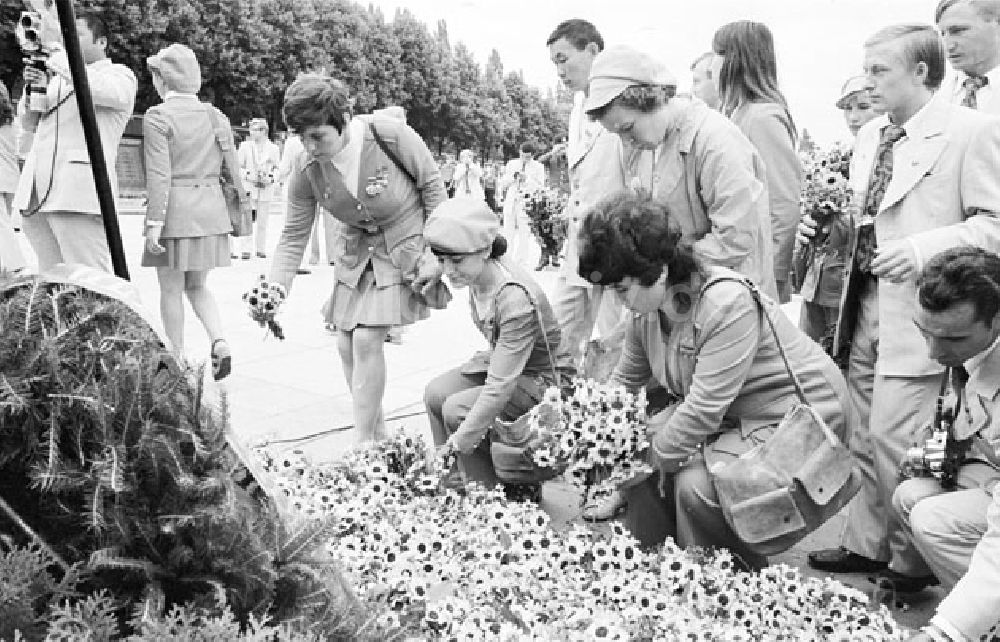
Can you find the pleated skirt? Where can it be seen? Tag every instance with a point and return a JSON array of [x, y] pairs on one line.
[[370, 306], [194, 253]]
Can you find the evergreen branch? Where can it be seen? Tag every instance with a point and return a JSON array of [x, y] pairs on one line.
[[109, 558], [14, 517]]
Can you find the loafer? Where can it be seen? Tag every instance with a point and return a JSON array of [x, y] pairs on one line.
[[261, 255], [301, 271], [841, 560], [891, 580], [246, 256]]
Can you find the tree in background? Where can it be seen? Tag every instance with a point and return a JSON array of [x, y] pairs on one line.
[[251, 50]]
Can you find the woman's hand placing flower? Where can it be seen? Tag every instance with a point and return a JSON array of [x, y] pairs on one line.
[[264, 299]]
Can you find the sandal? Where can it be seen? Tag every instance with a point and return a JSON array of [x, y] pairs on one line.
[[222, 359], [609, 507]]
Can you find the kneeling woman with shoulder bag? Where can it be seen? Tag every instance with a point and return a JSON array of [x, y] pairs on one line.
[[737, 367], [523, 358]]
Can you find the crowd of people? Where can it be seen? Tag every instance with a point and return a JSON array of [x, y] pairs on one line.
[[683, 216]]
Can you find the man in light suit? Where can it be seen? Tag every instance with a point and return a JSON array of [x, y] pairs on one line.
[[956, 534], [596, 168], [259, 158], [56, 192], [971, 32], [924, 179]]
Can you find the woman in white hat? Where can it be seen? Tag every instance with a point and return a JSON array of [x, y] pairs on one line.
[[187, 223], [513, 313]]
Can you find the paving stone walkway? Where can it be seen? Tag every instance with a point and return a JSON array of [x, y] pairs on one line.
[[293, 395]]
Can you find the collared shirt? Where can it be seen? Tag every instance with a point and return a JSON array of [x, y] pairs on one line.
[[975, 363], [985, 93], [348, 160], [178, 94]]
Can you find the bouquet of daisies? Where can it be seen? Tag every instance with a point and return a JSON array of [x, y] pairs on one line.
[[264, 299], [826, 196], [544, 208], [595, 433]]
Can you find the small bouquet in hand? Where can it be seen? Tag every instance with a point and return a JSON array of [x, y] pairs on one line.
[[595, 432], [264, 300]]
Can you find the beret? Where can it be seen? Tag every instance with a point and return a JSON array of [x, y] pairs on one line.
[[461, 226]]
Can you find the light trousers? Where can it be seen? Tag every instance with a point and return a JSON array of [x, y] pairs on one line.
[[889, 425], [258, 241], [68, 237], [578, 308], [11, 257], [941, 528]]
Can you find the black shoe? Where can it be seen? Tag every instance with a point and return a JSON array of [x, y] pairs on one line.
[[303, 271], [891, 580], [841, 560], [261, 255]]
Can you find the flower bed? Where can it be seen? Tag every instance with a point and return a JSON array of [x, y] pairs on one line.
[[471, 566]]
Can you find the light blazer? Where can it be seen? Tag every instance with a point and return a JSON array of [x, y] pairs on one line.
[[973, 606], [944, 193], [713, 182], [256, 162], [769, 128], [596, 169], [58, 154], [384, 228], [721, 360], [183, 165]]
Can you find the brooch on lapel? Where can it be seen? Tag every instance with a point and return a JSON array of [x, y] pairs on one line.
[[378, 182]]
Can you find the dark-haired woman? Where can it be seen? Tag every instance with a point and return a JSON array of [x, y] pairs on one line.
[[698, 332], [706, 172], [512, 312], [746, 72], [375, 176]]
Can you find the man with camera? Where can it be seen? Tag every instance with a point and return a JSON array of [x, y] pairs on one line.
[[259, 158], [954, 535], [924, 176], [56, 193]]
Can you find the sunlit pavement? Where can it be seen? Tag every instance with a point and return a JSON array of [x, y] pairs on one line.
[[293, 394]]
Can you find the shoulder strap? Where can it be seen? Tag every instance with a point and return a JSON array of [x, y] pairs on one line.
[[755, 293], [388, 152], [541, 324], [228, 156]]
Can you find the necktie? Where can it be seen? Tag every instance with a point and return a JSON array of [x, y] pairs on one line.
[[972, 84], [959, 377], [881, 175]]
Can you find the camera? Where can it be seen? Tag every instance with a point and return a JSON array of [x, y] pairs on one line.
[[942, 454], [36, 55]]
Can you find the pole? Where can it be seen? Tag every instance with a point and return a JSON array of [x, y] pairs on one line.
[[85, 103]]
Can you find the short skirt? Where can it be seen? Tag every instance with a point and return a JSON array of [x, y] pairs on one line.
[[371, 306], [194, 253]]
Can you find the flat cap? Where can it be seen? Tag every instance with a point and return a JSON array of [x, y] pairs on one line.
[[461, 226], [617, 68]]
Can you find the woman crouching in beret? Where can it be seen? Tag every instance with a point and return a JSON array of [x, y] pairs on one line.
[[514, 315]]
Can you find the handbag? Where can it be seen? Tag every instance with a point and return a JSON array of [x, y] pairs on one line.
[[783, 489], [237, 205]]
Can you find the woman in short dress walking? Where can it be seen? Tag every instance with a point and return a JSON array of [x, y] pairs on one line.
[[187, 223]]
